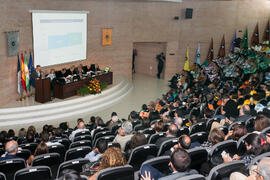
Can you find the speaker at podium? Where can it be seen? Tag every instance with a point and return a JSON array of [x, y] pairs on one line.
[[43, 90]]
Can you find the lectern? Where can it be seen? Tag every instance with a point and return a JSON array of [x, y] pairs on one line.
[[43, 90]]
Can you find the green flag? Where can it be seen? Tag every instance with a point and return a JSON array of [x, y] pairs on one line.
[[26, 73], [245, 39]]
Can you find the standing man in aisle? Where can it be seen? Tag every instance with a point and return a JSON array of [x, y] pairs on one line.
[[160, 58]]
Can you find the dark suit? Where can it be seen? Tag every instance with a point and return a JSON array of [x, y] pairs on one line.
[[162, 139], [34, 75]]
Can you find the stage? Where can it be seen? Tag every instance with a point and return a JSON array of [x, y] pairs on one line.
[[123, 96]]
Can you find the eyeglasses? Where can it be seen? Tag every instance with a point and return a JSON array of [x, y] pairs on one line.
[[268, 135]]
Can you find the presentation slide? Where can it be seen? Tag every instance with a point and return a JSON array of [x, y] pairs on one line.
[[59, 37]]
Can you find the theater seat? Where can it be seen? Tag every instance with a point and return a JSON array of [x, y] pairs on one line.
[[81, 138], [224, 129], [78, 152], [34, 173], [80, 143], [229, 146], [115, 128], [198, 156], [210, 122], [9, 167], [101, 134], [66, 142], [249, 123], [148, 131], [51, 160], [193, 177], [183, 130], [160, 163], [154, 137], [140, 154], [236, 122], [82, 133], [241, 147], [99, 129], [166, 145], [60, 149], [116, 173], [23, 153], [266, 130], [200, 137], [224, 170], [257, 159], [2, 176], [75, 164], [106, 138], [199, 127], [30, 146]]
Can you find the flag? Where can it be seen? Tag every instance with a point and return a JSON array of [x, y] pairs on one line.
[[23, 73], [198, 55], [245, 39], [30, 68], [210, 55], [26, 72], [255, 36], [233, 42], [19, 80], [221, 52], [266, 32], [186, 66]]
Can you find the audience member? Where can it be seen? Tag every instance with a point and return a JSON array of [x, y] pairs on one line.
[[261, 122], [70, 174], [158, 126], [80, 128], [11, 148], [124, 134], [42, 148], [112, 157], [180, 164], [170, 133], [97, 153]]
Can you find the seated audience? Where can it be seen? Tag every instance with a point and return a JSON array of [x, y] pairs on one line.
[[261, 122], [244, 113], [70, 174], [80, 128], [158, 127], [45, 137], [124, 134], [98, 124], [11, 148], [262, 172], [180, 164], [215, 136], [42, 148], [170, 133], [97, 153], [255, 145], [237, 132], [184, 142], [112, 157], [114, 120]]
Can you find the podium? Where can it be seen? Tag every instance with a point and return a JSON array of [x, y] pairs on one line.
[[43, 90]]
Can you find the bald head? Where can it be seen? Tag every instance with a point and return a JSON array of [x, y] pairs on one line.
[[12, 147], [173, 129], [264, 168], [184, 142]]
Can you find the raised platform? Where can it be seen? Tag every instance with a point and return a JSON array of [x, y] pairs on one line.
[[30, 112]]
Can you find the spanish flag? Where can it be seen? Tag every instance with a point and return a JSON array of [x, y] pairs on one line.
[[23, 73], [186, 66]]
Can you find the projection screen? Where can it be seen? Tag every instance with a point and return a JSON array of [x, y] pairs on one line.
[[59, 36]]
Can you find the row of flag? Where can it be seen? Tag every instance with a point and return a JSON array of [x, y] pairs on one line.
[[24, 68], [221, 52]]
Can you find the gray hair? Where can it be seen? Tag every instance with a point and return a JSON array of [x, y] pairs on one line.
[[12, 148], [264, 168], [127, 127]]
